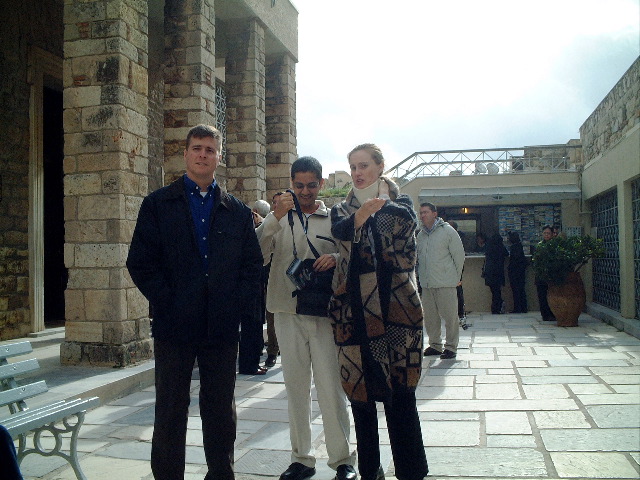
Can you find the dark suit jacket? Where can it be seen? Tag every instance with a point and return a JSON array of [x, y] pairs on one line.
[[165, 264]]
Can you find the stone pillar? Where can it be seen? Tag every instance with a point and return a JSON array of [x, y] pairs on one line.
[[281, 122], [106, 177], [245, 80], [189, 76]]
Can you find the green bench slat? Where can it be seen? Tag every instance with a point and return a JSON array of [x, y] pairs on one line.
[[29, 420], [13, 349], [18, 368], [22, 392]]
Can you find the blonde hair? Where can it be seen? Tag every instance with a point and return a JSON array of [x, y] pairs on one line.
[[370, 148]]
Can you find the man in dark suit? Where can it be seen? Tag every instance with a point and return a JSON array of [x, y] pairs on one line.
[[195, 256]]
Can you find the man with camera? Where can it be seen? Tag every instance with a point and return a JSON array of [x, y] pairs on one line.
[[291, 235]]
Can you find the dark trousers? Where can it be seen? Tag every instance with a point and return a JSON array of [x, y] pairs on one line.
[[272, 340], [251, 345], [496, 298], [9, 469], [407, 447], [217, 369], [460, 294], [519, 296], [545, 311]]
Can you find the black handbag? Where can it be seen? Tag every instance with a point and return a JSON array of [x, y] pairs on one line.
[[313, 289]]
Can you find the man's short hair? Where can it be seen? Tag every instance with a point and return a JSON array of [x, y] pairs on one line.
[[429, 205], [262, 208], [204, 131], [547, 227], [306, 164]]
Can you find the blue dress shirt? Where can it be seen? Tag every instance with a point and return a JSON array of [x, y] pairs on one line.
[[201, 207]]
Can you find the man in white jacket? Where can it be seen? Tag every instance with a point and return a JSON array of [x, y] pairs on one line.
[[440, 262], [306, 341]]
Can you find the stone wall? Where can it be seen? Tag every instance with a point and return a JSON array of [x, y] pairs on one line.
[[106, 175], [618, 113], [38, 25]]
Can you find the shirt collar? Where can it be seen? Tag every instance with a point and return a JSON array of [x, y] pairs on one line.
[[190, 185]]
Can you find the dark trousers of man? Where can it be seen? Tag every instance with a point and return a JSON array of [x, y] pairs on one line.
[[519, 296], [460, 294], [251, 345], [9, 469], [496, 298], [217, 369], [545, 311], [407, 448]]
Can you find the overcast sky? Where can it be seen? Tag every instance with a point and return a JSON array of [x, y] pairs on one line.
[[417, 75]]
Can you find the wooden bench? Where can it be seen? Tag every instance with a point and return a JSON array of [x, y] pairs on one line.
[[20, 420]]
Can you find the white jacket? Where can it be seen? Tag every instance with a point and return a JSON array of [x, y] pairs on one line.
[[440, 256], [275, 238]]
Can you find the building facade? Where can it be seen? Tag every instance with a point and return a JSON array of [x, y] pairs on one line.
[[98, 97]]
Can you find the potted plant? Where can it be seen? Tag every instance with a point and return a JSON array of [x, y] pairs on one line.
[[557, 262]]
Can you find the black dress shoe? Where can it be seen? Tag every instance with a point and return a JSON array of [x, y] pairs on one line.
[[431, 351], [378, 476], [297, 471], [270, 361], [447, 355], [345, 472]]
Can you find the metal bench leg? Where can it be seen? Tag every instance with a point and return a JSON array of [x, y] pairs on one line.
[[57, 432]]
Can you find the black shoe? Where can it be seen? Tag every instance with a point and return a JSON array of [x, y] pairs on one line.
[[431, 351], [378, 476], [345, 472], [447, 355], [270, 361], [297, 471]]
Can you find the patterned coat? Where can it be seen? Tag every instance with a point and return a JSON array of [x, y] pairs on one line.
[[375, 311]]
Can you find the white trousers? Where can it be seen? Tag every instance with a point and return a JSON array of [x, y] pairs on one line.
[[306, 347], [441, 304]]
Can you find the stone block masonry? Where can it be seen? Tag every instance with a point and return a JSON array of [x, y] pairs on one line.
[[106, 176]]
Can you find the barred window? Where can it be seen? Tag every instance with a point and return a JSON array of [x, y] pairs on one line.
[[221, 116]]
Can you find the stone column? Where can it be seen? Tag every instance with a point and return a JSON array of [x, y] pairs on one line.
[[106, 176], [189, 76], [281, 122], [245, 80]]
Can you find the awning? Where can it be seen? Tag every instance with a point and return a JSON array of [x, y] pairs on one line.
[[523, 195]]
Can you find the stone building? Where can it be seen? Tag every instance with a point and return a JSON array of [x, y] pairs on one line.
[[97, 99]]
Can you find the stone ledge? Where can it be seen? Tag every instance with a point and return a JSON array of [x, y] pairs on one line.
[[627, 325]]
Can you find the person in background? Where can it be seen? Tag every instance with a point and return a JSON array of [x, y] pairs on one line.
[[377, 316], [306, 341], [195, 256], [493, 271], [273, 350], [440, 261], [542, 286], [481, 242], [251, 337], [517, 272], [459, 290]]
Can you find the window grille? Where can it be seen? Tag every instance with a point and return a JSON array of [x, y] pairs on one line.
[[221, 117], [635, 207], [606, 270]]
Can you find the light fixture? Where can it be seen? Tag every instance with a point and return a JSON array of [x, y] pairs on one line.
[[465, 210]]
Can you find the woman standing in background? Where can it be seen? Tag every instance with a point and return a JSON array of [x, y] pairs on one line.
[[493, 271], [517, 271]]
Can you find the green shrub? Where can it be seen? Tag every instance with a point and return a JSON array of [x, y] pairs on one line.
[[554, 259]]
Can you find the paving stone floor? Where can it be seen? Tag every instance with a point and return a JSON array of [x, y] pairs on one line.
[[525, 399]]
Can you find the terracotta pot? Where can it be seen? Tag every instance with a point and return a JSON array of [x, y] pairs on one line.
[[567, 300]]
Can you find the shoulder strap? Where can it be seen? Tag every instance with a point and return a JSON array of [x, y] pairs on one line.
[[304, 228]]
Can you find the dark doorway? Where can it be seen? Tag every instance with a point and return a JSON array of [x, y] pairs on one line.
[[55, 273]]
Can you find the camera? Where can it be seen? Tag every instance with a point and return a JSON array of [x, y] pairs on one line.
[[300, 273]]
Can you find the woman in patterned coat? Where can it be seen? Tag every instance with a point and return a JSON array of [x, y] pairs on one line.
[[377, 315]]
